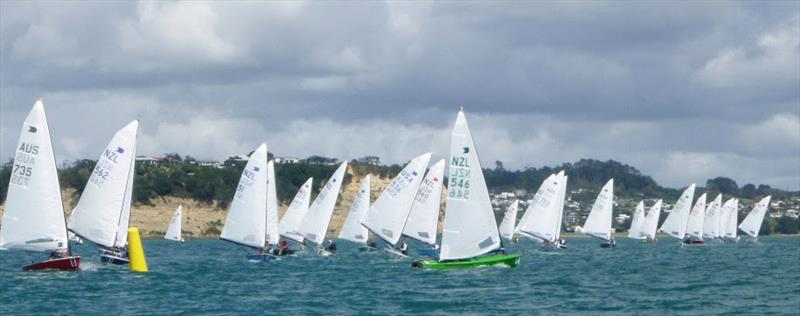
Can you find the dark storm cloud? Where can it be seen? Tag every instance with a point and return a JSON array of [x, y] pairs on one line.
[[705, 83]]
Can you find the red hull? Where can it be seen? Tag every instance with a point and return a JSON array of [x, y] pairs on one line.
[[64, 264]]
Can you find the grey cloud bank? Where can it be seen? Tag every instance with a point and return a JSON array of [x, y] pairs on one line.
[[683, 91]]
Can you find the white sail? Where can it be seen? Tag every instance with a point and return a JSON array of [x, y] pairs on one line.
[[694, 227], [538, 220], [598, 223], [174, 229], [387, 216], [650, 225], [315, 223], [352, 229], [509, 220], [247, 215], [637, 223], [560, 210], [104, 207], [713, 217], [424, 215], [730, 218], [751, 224], [273, 234], [675, 224], [34, 215], [290, 221], [470, 228]]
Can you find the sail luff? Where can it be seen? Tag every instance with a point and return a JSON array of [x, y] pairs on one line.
[[637, 224], [751, 225], [174, 229], [247, 216], [273, 235], [650, 227], [296, 212], [315, 223], [675, 224], [352, 229], [598, 223], [121, 240], [424, 216], [509, 220], [694, 226]]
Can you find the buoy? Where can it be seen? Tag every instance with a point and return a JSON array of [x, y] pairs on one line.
[[135, 251]]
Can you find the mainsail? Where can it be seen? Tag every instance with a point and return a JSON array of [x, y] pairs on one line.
[[730, 218], [470, 228], [509, 220], [291, 219], [273, 235], [352, 229], [424, 216], [598, 224], [694, 227], [751, 224], [174, 229], [650, 225], [34, 215], [675, 224], [387, 216], [103, 211], [315, 223], [247, 215], [539, 219], [713, 218], [638, 222]]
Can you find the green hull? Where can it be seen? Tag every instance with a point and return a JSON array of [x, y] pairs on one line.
[[508, 260]]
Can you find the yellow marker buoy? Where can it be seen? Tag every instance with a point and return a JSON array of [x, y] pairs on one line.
[[135, 251]]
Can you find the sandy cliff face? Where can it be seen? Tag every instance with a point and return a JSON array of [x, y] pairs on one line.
[[201, 220]]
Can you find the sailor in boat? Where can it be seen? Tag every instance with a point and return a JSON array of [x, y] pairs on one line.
[[372, 243], [58, 254], [283, 248], [561, 243], [331, 246], [403, 247]]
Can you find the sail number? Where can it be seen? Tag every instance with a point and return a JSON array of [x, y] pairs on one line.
[[400, 182], [23, 164], [458, 187]]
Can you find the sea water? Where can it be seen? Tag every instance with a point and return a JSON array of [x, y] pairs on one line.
[[213, 277]]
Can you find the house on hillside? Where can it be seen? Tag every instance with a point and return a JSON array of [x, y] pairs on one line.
[[319, 160], [147, 160], [209, 163], [370, 160], [283, 160]]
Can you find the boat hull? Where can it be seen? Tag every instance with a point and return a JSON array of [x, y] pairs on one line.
[[693, 242], [607, 245], [432, 264], [396, 252], [366, 249], [112, 259], [62, 264]]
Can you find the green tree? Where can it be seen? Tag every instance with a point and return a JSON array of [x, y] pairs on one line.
[[786, 225]]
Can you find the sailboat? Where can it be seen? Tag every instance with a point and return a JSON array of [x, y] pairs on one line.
[[694, 226], [713, 219], [34, 214], [352, 229], [635, 231], [423, 218], [315, 224], [387, 217], [730, 217], [103, 212], [509, 221], [291, 219], [650, 224], [470, 237], [542, 219], [598, 224], [751, 225], [273, 233], [675, 224], [246, 223], [174, 229]]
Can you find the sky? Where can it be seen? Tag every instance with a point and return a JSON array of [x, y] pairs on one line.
[[683, 91]]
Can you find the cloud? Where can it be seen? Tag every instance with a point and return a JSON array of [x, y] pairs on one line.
[[657, 86]]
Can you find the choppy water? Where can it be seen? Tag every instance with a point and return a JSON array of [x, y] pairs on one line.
[[213, 277]]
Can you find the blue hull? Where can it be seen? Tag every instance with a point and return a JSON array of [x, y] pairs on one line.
[[428, 252], [114, 260]]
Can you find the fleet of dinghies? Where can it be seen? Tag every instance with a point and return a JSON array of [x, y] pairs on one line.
[[408, 208]]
